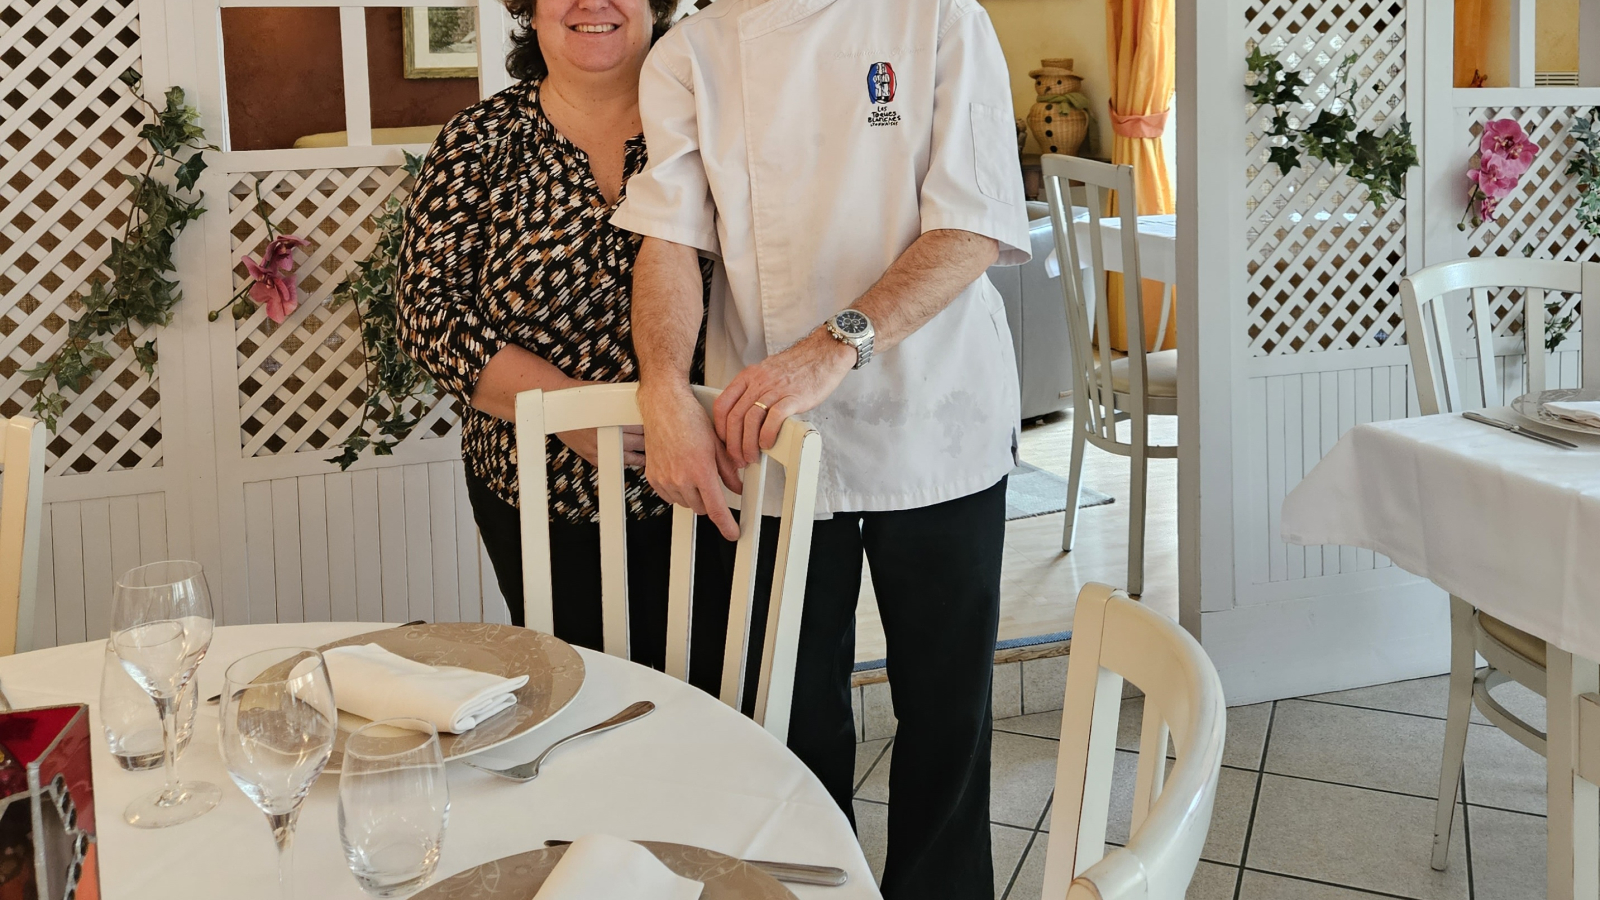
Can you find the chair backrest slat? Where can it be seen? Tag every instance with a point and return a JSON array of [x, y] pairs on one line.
[[609, 408], [21, 509], [782, 641], [1088, 317], [746, 556], [613, 503], [1533, 322], [1114, 638], [1589, 286], [680, 592], [1424, 296]]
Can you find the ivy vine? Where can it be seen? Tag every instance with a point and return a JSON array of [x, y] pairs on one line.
[[1379, 162], [139, 291], [1583, 163], [396, 385]]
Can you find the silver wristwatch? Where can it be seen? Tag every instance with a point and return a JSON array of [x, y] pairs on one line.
[[852, 327]]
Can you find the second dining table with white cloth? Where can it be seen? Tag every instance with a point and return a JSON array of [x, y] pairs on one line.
[[693, 772], [1511, 526]]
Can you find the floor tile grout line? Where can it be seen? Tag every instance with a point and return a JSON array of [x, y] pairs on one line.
[[1398, 712], [1332, 884], [1038, 831], [1017, 869], [1466, 833], [1255, 801], [870, 769]]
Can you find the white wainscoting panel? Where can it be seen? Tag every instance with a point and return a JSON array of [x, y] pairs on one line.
[[84, 545], [372, 545], [1295, 418]]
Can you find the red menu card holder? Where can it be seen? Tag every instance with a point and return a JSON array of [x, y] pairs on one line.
[[47, 833]]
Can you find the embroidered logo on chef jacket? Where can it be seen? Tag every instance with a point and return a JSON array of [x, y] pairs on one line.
[[880, 92]]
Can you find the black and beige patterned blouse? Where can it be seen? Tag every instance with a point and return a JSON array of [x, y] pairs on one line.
[[508, 241]]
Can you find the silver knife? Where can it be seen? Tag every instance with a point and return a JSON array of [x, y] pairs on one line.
[[1518, 429], [794, 873]]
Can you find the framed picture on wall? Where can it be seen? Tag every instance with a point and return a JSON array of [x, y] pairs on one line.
[[440, 41]]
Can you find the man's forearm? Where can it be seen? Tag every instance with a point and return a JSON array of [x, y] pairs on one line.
[[924, 280], [667, 309]]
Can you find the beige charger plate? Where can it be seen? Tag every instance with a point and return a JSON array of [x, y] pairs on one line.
[[1531, 406], [555, 674], [520, 877]]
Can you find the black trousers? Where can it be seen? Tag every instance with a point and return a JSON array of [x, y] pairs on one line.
[[936, 573], [575, 582]]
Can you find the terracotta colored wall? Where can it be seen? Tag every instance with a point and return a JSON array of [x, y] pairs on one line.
[[284, 76]]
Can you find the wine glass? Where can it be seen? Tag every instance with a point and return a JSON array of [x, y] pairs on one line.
[[393, 805], [131, 723], [160, 630], [278, 725]]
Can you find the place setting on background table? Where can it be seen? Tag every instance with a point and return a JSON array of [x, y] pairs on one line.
[[381, 712]]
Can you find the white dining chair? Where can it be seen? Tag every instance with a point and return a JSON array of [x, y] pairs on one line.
[[609, 408], [21, 510], [1511, 653], [1114, 638], [1107, 386]]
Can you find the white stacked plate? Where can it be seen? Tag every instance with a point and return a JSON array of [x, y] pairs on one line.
[[1531, 406]]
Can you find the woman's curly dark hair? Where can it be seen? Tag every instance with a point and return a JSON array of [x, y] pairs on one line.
[[525, 60]]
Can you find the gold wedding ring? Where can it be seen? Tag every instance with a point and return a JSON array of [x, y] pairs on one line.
[[763, 405]]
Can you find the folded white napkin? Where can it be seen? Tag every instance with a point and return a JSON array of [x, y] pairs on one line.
[[601, 867], [372, 682], [1584, 412]]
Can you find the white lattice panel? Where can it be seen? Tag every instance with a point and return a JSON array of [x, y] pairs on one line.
[[69, 129], [302, 383], [1324, 265], [1538, 219]]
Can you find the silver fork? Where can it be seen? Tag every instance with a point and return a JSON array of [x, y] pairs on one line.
[[528, 771]]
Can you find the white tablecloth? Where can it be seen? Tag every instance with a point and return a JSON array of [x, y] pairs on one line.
[[693, 772], [1510, 525], [1158, 247]]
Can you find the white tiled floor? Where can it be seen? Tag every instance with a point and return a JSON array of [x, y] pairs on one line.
[[1321, 798], [1039, 583]]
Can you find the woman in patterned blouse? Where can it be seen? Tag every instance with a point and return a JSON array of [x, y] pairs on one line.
[[512, 278]]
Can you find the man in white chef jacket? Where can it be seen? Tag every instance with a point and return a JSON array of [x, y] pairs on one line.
[[853, 165]]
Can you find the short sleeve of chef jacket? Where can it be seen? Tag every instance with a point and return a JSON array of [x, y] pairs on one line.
[[671, 198], [974, 180]]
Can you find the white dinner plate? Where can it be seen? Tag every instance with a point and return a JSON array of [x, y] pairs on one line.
[[1531, 406]]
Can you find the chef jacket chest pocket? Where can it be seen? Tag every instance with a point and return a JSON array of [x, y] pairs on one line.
[[994, 136]]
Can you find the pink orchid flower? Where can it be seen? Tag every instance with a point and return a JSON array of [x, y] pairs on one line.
[[1505, 148], [273, 275], [1504, 154]]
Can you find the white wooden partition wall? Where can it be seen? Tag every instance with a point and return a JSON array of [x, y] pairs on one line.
[[1296, 333], [221, 457]]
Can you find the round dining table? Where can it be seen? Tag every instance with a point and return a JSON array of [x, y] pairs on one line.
[[693, 772]]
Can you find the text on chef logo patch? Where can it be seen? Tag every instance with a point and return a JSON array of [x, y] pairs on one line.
[[880, 91]]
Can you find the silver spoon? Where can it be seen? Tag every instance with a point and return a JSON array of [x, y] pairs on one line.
[[530, 770]]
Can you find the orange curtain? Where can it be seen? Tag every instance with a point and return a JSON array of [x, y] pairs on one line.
[[1141, 46], [1469, 60]]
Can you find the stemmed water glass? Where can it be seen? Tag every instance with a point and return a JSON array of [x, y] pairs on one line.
[[278, 726], [161, 627], [393, 805]]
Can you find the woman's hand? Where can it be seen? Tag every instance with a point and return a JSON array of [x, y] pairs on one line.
[[586, 443]]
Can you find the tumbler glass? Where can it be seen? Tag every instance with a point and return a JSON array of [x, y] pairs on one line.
[[393, 805]]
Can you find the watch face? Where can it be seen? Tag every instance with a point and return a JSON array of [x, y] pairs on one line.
[[852, 323]]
